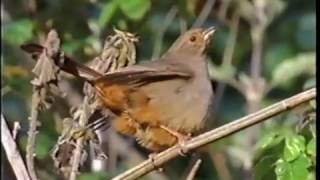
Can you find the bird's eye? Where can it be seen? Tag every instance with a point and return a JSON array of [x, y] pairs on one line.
[[193, 38]]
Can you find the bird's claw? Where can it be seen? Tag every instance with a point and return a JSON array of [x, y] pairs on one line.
[[151, 157]]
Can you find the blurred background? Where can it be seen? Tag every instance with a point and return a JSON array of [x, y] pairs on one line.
[[263, 51]]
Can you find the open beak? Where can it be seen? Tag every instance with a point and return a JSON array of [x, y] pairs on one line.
[[207, 34]]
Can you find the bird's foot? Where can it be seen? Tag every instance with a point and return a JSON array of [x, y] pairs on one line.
[[151, 157], [182, 139]]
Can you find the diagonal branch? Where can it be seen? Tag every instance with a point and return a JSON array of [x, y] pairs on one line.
[[12, 152], [218, 133]]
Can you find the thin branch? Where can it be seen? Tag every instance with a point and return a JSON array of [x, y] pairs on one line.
[[32, 132], [44, 85], [227, 58], [77, 153], [219, 160], [16, 128], [12, 152], [204, 13], [167, 21], [194, 170], [218, 133]]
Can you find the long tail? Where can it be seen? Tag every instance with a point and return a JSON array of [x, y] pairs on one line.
[[67, 64]]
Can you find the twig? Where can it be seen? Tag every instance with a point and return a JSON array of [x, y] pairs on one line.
[[32, 139], [194, 170], [227, 58], [167, 21], [118, 51], [44, 83], [77, 153], [13, 155], [218, 133], [219, 160], [204, 13], [16, 128]]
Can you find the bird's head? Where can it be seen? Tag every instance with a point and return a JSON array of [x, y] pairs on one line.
[[194, 41]]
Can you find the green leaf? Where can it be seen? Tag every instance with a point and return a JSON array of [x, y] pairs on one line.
[[134, 9], [311, 147], [283, 170], [264, 169], [270, 139], [294, 146], [311, 176], [296, 170], [107, 11], [18, 32], [286, 72]]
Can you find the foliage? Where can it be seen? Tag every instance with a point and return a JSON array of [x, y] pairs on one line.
[[286, 154]]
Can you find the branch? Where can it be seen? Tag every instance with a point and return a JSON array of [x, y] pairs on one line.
[[204, 14], [218, 133], [77, 153], [12, 152], [227, 59], [194, 170], [167, 21], [44, 85]]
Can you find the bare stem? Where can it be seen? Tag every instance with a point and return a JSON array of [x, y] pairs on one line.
[[167, 21], [227, 58], [32, 132], [194, 170], [218, 133], [77, 154], [204, 13], [12, 152]]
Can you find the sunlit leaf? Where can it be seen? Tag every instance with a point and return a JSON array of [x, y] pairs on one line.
[[107, 11], [311, 147], [296, 170], [294, 146], [292, 68], [134, 9], [270, 139]]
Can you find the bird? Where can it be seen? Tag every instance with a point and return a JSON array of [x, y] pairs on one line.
[[160, 103]]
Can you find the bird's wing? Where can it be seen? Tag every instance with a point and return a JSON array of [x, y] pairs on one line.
[[145, 73]]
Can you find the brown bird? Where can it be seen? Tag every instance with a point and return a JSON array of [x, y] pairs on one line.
[[160, 103]]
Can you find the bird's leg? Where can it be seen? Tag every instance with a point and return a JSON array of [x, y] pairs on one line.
[[182, 138]]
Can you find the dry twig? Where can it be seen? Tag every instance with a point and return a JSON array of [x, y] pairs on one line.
[[118, 51], [12, 152], [218, 133], [44, 83], [167, 21], [194, 170]]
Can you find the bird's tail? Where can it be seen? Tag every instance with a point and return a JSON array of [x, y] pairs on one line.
[[65, 63]]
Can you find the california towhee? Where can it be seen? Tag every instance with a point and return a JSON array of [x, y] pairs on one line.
[[161, 102]]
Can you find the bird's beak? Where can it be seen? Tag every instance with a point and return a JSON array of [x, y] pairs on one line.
[[208, 33]]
